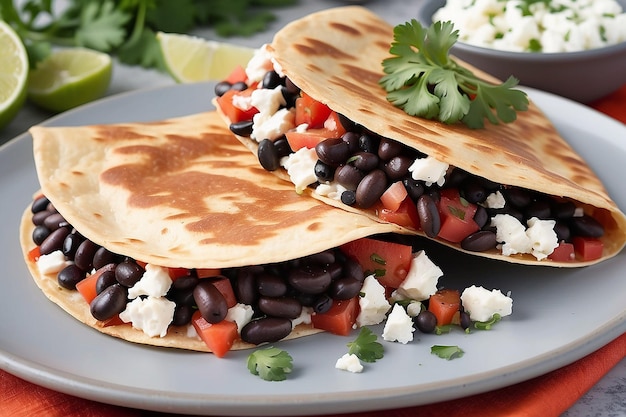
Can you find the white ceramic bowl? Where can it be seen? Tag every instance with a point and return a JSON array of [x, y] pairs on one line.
[[582, 76]]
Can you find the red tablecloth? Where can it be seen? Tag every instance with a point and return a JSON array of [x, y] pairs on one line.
[[545, 396]]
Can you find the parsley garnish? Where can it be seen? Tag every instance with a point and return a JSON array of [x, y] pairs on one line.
[[424, 81], [366, 346], [447, 352], [271, 364], [487, 325]]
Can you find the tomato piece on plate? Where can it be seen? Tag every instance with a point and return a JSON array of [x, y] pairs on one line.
[[339, 319], [445, 304], [389, 261], [311, 111], [87, 286], [587, 248], [219, 337], [563, 253], [457, 216], [235, 114], [238, 74]]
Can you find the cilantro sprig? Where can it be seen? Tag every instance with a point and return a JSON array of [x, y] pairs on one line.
[[424, 81], [271, 364], [447, 352], [366, 346]]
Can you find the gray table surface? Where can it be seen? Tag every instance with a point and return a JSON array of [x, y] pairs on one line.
[[606, 398]]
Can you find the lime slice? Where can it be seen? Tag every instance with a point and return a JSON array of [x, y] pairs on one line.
[[191, 59], [13, 74], [68, 78]]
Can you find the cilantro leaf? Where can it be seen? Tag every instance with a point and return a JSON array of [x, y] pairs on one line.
[[487, 325], [447, 352], [271, 364], [424, 81], [102, 26], [366, 347]]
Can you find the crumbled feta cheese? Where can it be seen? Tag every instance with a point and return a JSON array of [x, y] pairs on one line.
[[539, 239], [151, 315], [495, 200], [242, 102], [349, 362], [259, 64], [543, 238], [399, 326], [274, 126], [52, 262], [421, 281], [241, 314], [303, 318], [429, 170], [414, 308], [300, 166], [482, 304], [373, 305], [331, 190], [155, 282], [267, 101]]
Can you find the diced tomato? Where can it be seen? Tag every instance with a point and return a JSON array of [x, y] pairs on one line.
[[394, 195], [333, 125], [34, 254], [444, 304], [563, 253], [176, 273], [235, 114], [389, 261], [219, 337], [457, 216], [141, 264], [587, 248], [113, 321], [208, 272], [238, 74], [87, 287], [224, 286], [307, 139], [339, 319], [405, 216], [311, 111]]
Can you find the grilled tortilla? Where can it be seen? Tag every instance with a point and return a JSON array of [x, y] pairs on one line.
[[178, 193], [336, 55]]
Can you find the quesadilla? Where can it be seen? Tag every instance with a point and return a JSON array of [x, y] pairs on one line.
[[138, 216], [311, 107]]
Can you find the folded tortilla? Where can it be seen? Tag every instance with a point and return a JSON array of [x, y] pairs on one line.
[[177, 193], [336, 55]]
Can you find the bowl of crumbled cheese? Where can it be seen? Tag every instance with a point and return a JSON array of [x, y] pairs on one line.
[[573, 48]]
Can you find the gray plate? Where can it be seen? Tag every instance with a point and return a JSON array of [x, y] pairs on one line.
[[559, 315]]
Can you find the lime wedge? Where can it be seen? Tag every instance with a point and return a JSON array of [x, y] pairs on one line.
[[13, 74], [68, 78], [191, 59]]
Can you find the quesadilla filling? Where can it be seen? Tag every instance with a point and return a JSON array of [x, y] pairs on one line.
[[320, 148]]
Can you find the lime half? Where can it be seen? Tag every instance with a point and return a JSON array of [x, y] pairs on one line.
[[13, 74], [192, 59], [68, 78]]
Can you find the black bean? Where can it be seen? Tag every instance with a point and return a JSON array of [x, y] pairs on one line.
[[271, 285], [517, 197], [335, 270], [369, 143], [323, 172], [109, 302], [465, 320], [186, 283], [39, 217], [105, 280], [474, 192], [349, 176], [481, 217], [430, 221], [290, 98], [282, 147], [182, 314], [586, 226], [54, 221], [333, 151], [268, 157], [348, 198], [266, 330], [365, 161], [210, 301], [71, 243], [321, 258], [84, 255], [414, 188], [425, 321], [40, 233], [347, 124], [181, 296], [271, 80], [563, 210], [239, 86], [397, 167], [456, 177], [286, 307], [562, 231], [479, 241], [344, 288], [39, 204], [246, 287], [310, 279], [242, 128], [102, 257], [352, 139], [54, 241], [128, 273], [69, 276], [353, 269], [291, 87], [322, 304], [221, 88], [371, 187], [388, 148], [538, 208]]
